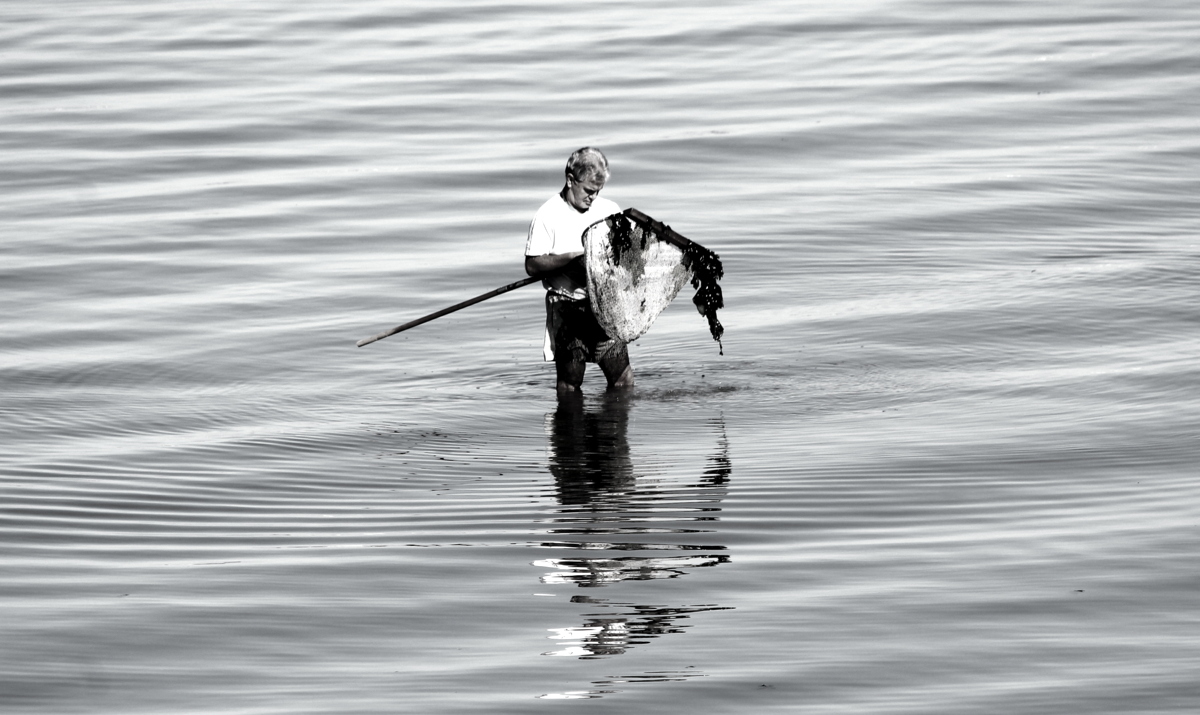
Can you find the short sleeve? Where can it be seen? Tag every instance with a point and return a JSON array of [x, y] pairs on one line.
[[540, 241]]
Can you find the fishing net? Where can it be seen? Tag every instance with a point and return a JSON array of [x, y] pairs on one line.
[[635, 268]]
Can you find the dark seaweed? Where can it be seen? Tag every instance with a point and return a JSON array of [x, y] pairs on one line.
[[621, 236], [706, 271]]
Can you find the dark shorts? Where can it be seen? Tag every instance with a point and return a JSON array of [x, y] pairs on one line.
[[576, 334]]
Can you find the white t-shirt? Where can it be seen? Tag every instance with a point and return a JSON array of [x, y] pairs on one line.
[[558, 228]]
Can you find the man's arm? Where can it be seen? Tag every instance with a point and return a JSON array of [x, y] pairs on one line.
[[552, 263]]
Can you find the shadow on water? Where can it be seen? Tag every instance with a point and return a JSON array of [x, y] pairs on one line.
[[605, 504]]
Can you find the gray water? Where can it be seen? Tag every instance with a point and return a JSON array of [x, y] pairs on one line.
[[945, 465]]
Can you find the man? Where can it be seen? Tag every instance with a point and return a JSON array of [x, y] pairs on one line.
[[554, 251]]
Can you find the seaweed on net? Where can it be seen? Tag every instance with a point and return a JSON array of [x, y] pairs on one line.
[[620, 236], [706, 271]]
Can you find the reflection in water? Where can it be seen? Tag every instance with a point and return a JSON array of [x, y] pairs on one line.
[[589, 453], [657, 676], [601, 572], [627, 625], [601, 494]]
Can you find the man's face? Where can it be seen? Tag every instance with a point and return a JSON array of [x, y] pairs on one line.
[[581, 192]]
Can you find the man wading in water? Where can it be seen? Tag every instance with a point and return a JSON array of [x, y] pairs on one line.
[[555, 252]]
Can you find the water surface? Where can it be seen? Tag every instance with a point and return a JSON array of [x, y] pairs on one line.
[[946, 463]]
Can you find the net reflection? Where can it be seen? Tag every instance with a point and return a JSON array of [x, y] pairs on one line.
[[626, 625], [609, 506]]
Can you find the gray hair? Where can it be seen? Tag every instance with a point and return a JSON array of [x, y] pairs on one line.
[[587, 163]]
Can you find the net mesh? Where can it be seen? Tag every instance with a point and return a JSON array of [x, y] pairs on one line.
[[636, 266]]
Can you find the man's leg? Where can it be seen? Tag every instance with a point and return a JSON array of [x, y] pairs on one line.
[[569, 364], [570, 368], [616, 367]]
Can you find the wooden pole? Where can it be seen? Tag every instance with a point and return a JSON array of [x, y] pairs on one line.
[[451, 309]]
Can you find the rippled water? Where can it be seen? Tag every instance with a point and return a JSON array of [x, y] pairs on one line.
[[946, 464]]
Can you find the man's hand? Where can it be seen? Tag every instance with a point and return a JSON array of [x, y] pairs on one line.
[[576, 270]]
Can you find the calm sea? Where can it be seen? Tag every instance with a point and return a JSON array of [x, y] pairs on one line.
[[947, 463]]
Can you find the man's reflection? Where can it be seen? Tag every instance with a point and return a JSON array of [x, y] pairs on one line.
[[589, 450], [604, 508]]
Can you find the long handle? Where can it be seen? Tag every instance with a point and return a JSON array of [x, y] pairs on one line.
[[451, 309]]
